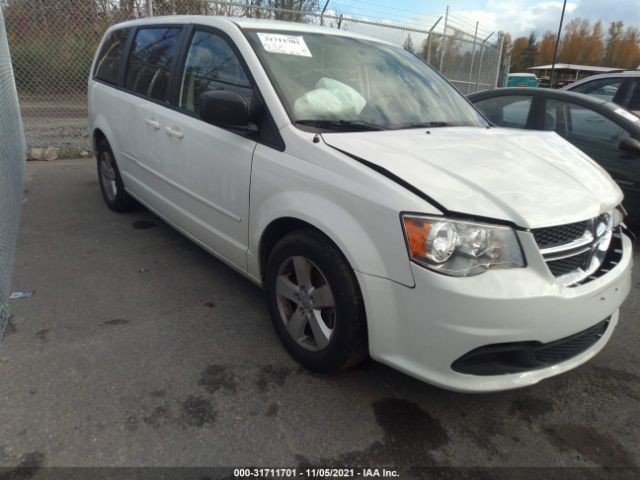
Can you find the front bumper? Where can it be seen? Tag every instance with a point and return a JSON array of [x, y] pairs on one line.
[[423, 330]]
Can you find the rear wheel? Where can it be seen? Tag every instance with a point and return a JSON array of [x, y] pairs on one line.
[[315, 303], [113, 192]]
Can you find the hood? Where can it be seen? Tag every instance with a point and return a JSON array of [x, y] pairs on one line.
[[533, 179]]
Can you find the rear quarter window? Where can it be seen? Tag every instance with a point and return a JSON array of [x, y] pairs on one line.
[[109, 58]]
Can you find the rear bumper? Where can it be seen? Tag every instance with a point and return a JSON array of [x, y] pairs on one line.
[[423, 330]]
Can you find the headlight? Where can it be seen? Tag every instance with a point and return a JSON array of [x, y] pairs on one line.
[[461, 249]]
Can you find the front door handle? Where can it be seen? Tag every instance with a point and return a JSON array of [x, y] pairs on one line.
[[174, 133], [152, 123]]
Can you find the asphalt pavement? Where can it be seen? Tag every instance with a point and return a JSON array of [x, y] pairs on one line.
[[140, 349]]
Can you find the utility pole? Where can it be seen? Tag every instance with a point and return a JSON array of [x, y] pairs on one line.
[[322, 13], [555, 50]]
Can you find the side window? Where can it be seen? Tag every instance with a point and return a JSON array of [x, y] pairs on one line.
[[211, 64], [580, 124], [508, 111], [604, 89], [633, 103], [152, 53], [108, 62]]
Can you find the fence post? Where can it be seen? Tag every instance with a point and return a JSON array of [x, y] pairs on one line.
[[481, 55], [340, 22], [473, 53], [444, 38], [150, 8], [429, 39], [500, 47]]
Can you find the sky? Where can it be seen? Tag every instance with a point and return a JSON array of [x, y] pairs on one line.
[[518, 17]]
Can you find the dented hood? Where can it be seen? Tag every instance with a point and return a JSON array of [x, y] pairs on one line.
[[533, 179]]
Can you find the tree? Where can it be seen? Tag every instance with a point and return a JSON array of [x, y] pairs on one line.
[[518, 55], [531, 52], [434, 46], [545, 49], [507, 44], [573, 41], [594, 46], [614, 37], [408, 44], [629, 49]]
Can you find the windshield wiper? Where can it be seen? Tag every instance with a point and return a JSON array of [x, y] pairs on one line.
[[432, 124], [349, 125]]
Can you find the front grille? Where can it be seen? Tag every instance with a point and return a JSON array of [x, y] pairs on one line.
[[567, 265], [504, 358], [555, 236], [576, 252], [613, 257]]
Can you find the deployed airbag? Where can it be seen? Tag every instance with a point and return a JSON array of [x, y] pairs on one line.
[[330, 99]]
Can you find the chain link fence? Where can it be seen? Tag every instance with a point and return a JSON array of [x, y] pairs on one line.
[[53, 42], [12, 154]]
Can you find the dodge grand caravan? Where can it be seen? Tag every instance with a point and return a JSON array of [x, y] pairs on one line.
[[379, 210]]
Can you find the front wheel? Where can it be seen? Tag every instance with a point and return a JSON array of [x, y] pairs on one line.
[[315, 302]]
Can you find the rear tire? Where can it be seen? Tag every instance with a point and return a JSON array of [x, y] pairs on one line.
[[315, 302], [111, 185]]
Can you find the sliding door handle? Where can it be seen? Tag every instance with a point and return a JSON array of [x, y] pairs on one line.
[[174, 133]]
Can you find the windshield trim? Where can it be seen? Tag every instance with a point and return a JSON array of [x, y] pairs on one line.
[[307, 128]]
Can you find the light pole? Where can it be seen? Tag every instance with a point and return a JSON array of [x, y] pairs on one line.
[[555, 50]]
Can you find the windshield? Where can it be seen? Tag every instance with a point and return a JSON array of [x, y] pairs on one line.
[[331, 82]]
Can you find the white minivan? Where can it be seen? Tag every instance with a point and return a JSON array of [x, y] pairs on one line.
[[381, 212]]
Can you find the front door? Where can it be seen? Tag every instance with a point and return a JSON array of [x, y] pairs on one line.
[[207, 169]]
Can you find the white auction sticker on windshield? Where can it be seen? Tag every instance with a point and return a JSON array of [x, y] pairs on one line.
[[285, 44], [628, 115]]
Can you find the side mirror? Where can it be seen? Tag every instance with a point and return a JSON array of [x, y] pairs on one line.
[[225, 108], [630, 145]]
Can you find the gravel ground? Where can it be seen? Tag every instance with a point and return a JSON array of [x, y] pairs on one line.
[[140, 349], [56, 121]]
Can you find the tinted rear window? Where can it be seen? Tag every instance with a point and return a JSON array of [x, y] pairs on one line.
[[152, 54], [109, 58]]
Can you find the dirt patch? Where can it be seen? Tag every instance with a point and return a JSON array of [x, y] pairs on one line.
[[410, 435], [271, 375], [218, 377], [116, 322], [42, 335], [273, 409], [197, 412], [592, 445]]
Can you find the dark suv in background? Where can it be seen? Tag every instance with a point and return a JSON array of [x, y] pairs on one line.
[[621, 88]]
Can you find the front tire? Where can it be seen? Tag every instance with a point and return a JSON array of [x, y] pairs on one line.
[[315, 302], [111, 185]]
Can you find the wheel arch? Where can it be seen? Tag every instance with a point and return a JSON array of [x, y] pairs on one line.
[[101, 131], [355, 233]]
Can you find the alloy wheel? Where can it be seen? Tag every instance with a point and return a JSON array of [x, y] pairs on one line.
[[305, 303]]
